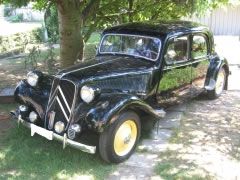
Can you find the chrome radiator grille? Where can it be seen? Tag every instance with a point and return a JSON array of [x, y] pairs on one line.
[[61, 102]]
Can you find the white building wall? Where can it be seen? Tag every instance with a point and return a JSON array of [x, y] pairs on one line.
[[223, 21]]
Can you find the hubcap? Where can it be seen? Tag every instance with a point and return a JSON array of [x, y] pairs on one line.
[[220, 82], [125, 138]]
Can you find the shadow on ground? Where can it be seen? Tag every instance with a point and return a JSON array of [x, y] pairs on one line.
[[207, 141]]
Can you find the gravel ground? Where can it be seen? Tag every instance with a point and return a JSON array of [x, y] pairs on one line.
[[209, 137]]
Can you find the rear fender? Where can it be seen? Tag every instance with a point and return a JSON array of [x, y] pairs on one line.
[[216, 64]]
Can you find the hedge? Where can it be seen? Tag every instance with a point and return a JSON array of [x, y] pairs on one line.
[[18, 41]]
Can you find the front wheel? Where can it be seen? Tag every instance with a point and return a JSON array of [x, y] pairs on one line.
[[220, 84], [119, 140]]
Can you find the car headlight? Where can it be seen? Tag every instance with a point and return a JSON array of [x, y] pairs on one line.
[[32, 78], [33, 116], [87, 94], [59, 127]]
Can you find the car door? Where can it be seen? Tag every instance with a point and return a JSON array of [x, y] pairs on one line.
[[175, 82], [200, 61]]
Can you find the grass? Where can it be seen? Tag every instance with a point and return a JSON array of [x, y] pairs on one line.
[[172, 166], [26, 157], [6, 108]]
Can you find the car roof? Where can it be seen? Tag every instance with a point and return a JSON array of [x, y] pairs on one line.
[[157, 28]]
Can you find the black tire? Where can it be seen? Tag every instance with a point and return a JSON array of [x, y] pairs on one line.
[[215, 93], [107, 138]]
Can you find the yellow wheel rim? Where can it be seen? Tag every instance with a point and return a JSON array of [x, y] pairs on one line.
[[125, 138], [220, 82]]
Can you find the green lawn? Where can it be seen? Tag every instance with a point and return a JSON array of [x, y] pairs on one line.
[[26, 157]]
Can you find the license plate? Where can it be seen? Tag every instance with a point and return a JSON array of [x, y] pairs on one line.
[[41, 131]]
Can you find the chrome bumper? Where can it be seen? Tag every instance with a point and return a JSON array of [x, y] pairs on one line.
[[64, 139]]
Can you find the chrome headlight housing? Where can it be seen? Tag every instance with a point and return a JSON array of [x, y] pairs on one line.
[[33, 78], [87, 94]]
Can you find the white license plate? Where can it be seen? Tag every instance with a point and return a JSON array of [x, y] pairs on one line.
[[41, 131]]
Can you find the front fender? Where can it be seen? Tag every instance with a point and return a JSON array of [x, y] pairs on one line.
[[37, 98], [108, 106]]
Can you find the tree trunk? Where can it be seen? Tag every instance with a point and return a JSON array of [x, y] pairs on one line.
[[71, 40], [130, 8]]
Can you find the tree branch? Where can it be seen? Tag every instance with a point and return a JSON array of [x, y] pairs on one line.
[[90, 9]]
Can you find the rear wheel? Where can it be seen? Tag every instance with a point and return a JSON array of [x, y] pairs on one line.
[[220, 84], [119, 140]]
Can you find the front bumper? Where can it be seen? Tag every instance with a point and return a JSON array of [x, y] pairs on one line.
[[51, 135]]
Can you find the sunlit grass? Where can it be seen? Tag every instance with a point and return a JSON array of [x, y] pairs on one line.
[[45, 159], [26, 157], [172, 166]]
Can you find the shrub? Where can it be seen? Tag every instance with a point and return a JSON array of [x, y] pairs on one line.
[[7, 11], [20, 40], [38, 34], [51, 23], [32, 58]]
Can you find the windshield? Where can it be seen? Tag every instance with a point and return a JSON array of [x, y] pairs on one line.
[[141, 46]]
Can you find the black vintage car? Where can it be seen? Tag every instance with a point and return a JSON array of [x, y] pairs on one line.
[[138, 70]]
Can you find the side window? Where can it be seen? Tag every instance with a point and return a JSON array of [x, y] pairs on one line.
[[177, 50], [199, 47]]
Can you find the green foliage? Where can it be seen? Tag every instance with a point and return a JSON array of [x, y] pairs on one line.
[[91, 46], [94, 38], [7, 11], [51, 23], [10, 43], [20, 40], [38, 34], [50, 59], [93, 15], [32, 58]]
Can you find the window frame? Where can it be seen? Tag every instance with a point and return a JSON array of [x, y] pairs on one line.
[[134, 35], [188, 50], [207, 43]]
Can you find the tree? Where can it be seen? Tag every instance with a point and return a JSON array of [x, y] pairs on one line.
[[79, 18]]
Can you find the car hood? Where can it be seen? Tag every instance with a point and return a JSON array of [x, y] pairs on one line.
[[107, 65], [118, 73]]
